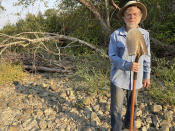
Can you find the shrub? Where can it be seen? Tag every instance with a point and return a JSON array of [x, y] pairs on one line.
[[10, 73], [163, 81], [92, 74]]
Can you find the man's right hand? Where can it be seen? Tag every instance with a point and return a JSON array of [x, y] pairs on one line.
[[135, 67]]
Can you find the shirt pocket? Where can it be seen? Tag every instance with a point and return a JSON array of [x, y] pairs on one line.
[[120, 49]]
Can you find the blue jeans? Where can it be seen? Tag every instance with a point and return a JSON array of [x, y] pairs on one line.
[[117, 99]]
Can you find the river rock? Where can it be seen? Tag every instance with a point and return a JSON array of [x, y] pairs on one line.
[[138, 123], [156, 108]]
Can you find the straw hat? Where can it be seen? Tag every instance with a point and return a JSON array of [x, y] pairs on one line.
[[141, 6]]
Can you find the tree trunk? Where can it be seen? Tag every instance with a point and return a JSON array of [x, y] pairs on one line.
[[92, 8], [107, 13]]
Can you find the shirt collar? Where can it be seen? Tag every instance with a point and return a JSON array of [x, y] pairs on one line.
[[123, 32]]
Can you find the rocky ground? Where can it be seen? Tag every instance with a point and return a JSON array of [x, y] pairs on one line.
[[41, 103]]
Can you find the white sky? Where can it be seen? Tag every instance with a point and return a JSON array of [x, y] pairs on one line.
[[10, 15]]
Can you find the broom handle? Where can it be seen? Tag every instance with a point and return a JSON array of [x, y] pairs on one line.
[[133, 96]]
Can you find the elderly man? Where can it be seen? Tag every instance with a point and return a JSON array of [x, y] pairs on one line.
[[123, 65]]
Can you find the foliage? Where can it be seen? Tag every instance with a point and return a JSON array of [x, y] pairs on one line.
[[163, 81], [9, 29], [166, 31], [10, 73], [92, 74], [161, 20]]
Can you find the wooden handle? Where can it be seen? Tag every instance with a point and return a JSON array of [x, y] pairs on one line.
[[133, 95], [132, 106]]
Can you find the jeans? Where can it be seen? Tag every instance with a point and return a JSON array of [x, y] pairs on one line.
[[117, 99]]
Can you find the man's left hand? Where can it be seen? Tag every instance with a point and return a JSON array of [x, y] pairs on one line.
[[146, 83]]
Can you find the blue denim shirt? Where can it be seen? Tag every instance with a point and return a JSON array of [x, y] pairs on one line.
[[120, 74]]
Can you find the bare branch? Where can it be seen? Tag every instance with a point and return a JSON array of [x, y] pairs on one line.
[[46, 37], [115, 5]]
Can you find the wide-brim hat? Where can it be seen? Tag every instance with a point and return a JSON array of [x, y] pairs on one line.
[[141, 6]]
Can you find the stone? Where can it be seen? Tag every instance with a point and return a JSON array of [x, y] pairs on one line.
[[29, 124], [168, 115], [103, 129], [155, 121], [149, 120], [138, 123], [74, 110], [8, 115], [156, 108], [173, 108], [148, 126], [102, 100], [44, 94], [139, 113], [37, 108], [152, 129], [51, 124], [39, 113], [96, 108], [142, 106], [49, 111], [62, 129], [87, 101], [52, 117], [123, 111], [93, 123], [63, 95], [86, 129], [68, 128], [43, 124], [144, 128], [164, 123], [100, 112], [54, 98], [164, 128], [94, 117], [44, 85], [13, 128], [107, 107]]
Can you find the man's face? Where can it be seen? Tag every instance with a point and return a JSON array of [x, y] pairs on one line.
[[132, 16]]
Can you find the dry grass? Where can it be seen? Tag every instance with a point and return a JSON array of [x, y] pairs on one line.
[[10, 72]]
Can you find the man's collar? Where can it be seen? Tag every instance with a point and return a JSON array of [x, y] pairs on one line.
[[123, 31]]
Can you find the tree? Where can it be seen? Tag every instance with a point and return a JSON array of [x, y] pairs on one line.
[[103, 13]]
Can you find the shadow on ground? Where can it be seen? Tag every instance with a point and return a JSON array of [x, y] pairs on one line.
[[55, 101]]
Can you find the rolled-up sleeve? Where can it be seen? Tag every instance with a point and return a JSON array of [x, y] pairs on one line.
[[113, 55], [147, 60]]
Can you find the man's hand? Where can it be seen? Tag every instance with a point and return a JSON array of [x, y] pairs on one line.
[[135, 67], [146, 83]]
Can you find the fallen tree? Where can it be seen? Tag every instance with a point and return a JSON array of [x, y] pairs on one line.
[[40, 42]]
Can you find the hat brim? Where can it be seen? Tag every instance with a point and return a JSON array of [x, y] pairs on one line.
[[139, 5]]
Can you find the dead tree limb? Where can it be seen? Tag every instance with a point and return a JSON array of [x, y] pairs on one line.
[[162, 49], [46, 69], [115, 5], [46, 37]]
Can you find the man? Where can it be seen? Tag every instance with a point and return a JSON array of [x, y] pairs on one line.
[[123, 65]]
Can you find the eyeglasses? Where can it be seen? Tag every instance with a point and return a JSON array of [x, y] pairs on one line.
[[128, 15]]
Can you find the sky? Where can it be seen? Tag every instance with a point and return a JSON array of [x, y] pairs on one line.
[[13, 13]]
